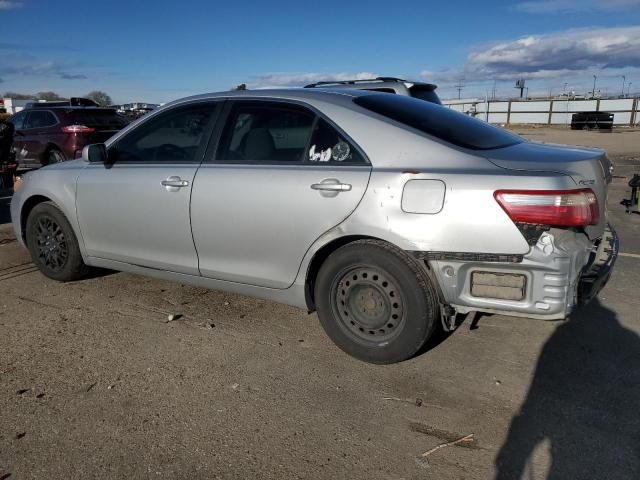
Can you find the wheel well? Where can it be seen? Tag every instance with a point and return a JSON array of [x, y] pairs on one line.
[[26, 210], [318, 259], [50, 147]]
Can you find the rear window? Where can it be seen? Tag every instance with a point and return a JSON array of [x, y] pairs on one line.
[[98, 118], [441, 122]]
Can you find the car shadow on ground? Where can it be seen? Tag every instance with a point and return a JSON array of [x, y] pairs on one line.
[[584, 401]]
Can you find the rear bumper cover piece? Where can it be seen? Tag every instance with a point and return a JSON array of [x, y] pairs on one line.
[[564, 268], [599, 271]]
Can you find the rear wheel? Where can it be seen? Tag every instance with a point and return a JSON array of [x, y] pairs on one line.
[[53, 245], [375, 302], [54, 156]]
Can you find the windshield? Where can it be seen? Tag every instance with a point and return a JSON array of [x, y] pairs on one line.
[[441, 122]]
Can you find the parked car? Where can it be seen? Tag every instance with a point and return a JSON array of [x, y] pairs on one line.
[[398, 86], [386, 214], [590, 120], [46, 134]]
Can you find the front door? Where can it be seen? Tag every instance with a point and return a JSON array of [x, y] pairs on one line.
[[137, 210], [282, 177]]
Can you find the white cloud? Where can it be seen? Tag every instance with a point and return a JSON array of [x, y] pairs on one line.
[[279, 80], [557, 54], [575, 6], [8, 4]]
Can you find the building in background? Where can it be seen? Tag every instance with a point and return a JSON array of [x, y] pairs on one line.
[[14, 105]]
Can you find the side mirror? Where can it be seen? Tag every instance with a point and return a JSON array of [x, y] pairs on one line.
[[95, 153]]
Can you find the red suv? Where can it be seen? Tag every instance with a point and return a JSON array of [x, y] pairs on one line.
[[47, 134]]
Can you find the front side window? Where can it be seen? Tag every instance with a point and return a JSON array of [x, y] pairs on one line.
[[178, 135], [266, 133], [18, 120]]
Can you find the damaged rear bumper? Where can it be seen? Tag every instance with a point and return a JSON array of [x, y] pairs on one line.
[[598, 272], [564, 268]]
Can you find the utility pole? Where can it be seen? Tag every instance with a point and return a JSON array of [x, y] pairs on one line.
[[493, 93], [623, 80], [460, 86], [593, 92]]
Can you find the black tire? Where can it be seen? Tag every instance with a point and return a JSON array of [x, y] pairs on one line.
[[375, 302], [53, 245], [54, 156]]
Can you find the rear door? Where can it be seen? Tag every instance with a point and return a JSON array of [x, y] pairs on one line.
[[281, 177], [136, 211]]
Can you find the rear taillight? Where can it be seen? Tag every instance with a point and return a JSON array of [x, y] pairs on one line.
[[78, 129], [557, 208]]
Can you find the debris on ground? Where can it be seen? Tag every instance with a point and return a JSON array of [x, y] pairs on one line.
[[418, 402], [466, 438], [173, 317]]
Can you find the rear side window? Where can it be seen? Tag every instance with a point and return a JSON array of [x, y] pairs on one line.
[[39, 119], [440, 122], [98, 118], [328, 146], [266, 132]]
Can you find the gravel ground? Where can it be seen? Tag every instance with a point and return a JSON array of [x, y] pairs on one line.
[[95, 383]]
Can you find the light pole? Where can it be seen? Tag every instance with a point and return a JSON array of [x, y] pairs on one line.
[[564, 88], [593, 92], [629, 88], [623, 80]]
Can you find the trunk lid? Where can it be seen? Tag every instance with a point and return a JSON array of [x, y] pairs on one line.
[[588, 167]]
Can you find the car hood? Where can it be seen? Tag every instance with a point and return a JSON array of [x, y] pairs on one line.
[[588, 167]]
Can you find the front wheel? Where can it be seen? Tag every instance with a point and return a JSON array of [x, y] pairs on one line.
[[375, 302], [53, 245]]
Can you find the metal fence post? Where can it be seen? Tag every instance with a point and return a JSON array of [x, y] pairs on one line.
[[509, 113]]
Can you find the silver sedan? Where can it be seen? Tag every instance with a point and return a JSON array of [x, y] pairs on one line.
[[388, 215]]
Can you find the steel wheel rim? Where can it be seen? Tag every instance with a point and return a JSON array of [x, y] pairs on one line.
[[51, 243], [368, 304]]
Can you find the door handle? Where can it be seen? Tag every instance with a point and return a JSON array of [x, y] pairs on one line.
[[335, 186], [175, 182]]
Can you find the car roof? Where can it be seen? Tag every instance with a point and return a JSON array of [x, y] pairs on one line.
[[340, 96]]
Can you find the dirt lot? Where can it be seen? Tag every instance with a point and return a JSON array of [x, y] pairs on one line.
[[95, 384]]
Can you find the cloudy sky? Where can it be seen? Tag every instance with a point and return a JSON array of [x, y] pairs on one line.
[[161, 50]]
